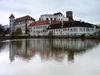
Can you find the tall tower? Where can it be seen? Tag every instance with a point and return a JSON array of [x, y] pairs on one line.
[[69, 14], [11, 23]]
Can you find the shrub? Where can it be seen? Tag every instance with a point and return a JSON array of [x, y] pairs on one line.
[[50, 34], [12, 34], [18, 31]]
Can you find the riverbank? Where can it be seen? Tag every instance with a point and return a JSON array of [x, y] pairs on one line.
[[92, 37], [61, 37]]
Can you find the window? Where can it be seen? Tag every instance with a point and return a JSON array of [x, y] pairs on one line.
[[54, 18], [46, 18], [51, 19]]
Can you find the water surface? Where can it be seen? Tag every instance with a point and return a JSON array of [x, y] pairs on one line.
[[50, 57]]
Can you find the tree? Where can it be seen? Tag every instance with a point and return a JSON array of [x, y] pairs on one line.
[[50, 34], [18, 31], [1, 29], [7, 31]]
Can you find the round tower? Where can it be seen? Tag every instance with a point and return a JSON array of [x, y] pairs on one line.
[[11, 23], [69, 14]]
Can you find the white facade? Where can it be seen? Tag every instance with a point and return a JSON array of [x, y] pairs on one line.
[[23, 25], [42, 30], [59, 17], [72, 31], [39, 30], [12, 27]]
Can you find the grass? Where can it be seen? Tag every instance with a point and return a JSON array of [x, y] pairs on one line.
[[92, 37]]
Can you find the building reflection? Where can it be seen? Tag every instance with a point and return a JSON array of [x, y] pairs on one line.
[[52, 49]]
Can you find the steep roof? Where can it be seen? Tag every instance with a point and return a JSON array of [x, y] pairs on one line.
[[45, 22], [71, 24], [24, 18], [59, 13], [11, 16]]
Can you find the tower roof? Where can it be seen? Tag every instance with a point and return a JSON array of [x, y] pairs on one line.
[[11, 16]]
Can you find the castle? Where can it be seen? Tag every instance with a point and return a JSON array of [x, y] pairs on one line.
[[56, 23]]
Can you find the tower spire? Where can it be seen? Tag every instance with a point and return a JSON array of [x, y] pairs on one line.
[[12, 16]]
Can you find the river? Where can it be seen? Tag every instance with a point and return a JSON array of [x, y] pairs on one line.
[[50, 57]]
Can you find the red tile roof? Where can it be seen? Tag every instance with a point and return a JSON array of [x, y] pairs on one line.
[[24, 18], [11, 16], [45, 22]]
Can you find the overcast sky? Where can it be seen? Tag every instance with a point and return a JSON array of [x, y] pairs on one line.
[[85, 10]]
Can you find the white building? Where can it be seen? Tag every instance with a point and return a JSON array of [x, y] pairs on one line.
[[73, 28], [39, 28], [67, 28], [56, 16], [21, 22]]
